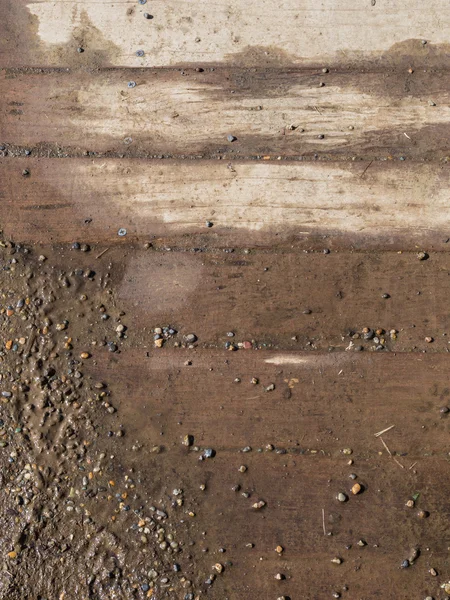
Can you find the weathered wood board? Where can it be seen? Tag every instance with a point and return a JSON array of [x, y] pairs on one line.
[[48, 33], [287, 112], [400, 205]]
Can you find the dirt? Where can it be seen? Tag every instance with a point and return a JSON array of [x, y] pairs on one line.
[[78, 519]]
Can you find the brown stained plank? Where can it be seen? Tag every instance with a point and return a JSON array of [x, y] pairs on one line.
[[321, 413], [322, 403], [381, 204], [42, 33], [263, 297], [283, 112], [296, 489]]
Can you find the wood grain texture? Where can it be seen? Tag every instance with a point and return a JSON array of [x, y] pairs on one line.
[[380, 204], [48, 33], [278, 112]]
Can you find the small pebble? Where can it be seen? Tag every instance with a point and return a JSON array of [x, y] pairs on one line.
[[342, 497], [356, 488], [414, 555], [231, 138]]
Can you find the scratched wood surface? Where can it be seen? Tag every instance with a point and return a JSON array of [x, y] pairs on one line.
[[288, 112], [340, 117], [400, 206]]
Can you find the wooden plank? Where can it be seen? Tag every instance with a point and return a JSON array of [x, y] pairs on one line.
[[283, 112], [263, 296], [397, 206], [42, 33], [322, 403], [274, 218]]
